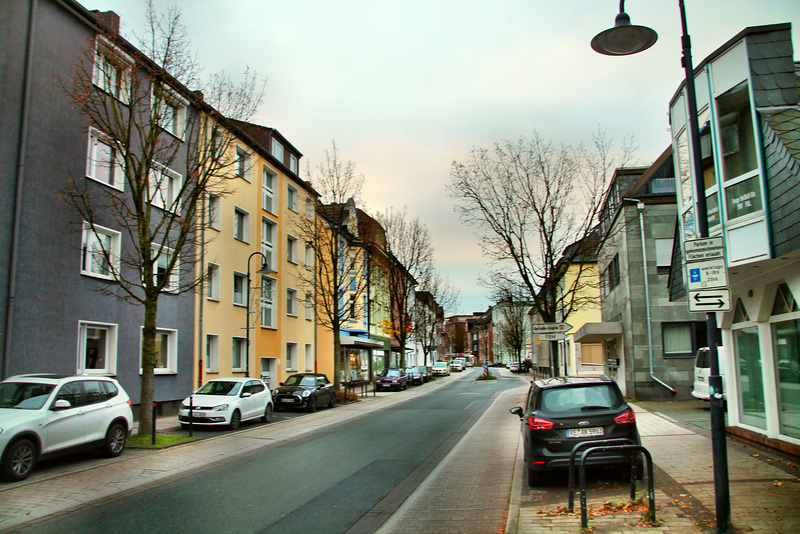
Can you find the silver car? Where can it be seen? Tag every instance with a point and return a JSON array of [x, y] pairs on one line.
[[42, 416]]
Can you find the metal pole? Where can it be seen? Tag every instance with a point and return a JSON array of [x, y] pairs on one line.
[[718, 440]]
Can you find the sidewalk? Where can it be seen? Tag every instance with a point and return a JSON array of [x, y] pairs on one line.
[[764, 497]]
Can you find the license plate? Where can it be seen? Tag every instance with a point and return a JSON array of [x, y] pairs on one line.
[[701, 379], [287, 400], [584, 432], [198, 414]]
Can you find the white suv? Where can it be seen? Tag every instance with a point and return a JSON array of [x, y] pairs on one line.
[[42, 416]]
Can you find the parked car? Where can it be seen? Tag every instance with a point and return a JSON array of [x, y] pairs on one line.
[[414, 376], [562, 412], [441, 369], [702, 370], [45, 415], [305, 391], [424, 372], [227, 401], [513, 367], [456, 365], [391, 378]]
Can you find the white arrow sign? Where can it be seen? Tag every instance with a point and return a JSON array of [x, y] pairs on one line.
[[552, 336], [710, 300], [543, 328]]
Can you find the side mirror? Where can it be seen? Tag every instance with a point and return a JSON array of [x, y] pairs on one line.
[[281, 384], [516, 410], [245, 395], [60, 404]]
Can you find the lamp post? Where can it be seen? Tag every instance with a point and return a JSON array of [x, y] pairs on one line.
[[624, 39], [265, 269]]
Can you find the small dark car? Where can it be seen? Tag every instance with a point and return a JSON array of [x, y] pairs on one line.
[[414, 376], [391, 378], [562, 412], [305, 391]]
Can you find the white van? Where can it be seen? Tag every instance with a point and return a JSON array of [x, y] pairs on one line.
[[702, 370]]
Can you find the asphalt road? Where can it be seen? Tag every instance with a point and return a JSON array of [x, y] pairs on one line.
[[326, 481]]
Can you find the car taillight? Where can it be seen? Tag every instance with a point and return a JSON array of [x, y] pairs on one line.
[[625, 418], [129, 403], [534, 423]]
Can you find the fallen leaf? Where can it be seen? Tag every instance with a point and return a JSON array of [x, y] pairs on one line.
[[755, 455], [778, 484]]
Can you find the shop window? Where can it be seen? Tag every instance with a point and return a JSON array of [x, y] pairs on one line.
[[786, 350], [752, 410], [784, 301], [736, 132]]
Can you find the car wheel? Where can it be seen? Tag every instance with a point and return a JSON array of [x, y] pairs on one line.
[[236, 420], [312, 404], [267, 417], [332, 403], [19, 460], [115, 440], [185, 426], [535, 478]]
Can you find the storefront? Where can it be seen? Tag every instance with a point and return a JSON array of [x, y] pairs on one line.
[[358, 357]]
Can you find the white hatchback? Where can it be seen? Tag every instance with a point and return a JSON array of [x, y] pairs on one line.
[[42, 416], [227, 401]]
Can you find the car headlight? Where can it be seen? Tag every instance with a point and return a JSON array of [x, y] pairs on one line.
[[276, 391], [220, 408], [306, 393]]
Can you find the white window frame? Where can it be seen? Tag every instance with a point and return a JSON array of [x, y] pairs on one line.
[[309, 257], [269, 202], [276, 149], [165, 188], [173, 284], [294, 164], [245, 290], [107, 56], [309, 209], [269, 317], [169, 99], [212, 281], [309, 305], [309, 358], [89, 240], [291, 356], [268, 230], [212, 353], [110, 367], [115, 169], [242, 163], [242, 347], [292, 246], [291, 302], [243, 224], [292, 198], [171, 367], [214, 211]]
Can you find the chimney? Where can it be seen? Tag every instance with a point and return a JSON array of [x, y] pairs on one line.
[[109, 18]]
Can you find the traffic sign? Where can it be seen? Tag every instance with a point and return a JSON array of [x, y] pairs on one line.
[[710, 300], [707, 274], [544, 328], [552, 336], [708, 248]]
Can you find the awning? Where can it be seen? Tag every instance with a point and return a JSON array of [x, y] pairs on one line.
[[361, 342], [597, 332]]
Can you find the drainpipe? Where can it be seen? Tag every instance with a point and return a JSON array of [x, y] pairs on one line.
[[17, 206], [640, 208]]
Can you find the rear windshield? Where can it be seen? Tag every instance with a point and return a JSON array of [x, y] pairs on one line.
[[578, 398], [702, 359]]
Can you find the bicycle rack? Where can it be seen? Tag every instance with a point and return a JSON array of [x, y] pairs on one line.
[[621, 448], [596, 443]]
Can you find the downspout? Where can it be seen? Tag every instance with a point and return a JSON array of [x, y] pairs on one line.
[[201, 346], [640, 208], [17, 207]]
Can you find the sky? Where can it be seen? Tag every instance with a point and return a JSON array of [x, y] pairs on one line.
[[406, 88]]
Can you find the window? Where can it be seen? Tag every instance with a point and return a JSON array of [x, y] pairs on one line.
[[309, 358], [309, 257], [291, 356], [103, 162], [166, 351], [161, 269], [663, 255], [268, 302], [242, 163], [112, 69], [292, 198], [309, 302], [309, 209], [169, 110], [291, 249], [165, 188], [591, 353], [277, 150], [212, 353], [682, 339], [611, 276], [212, 281], [238, 354], [239, 288], [267, 237], [291, 302], [100, 251], [268, 179], [97, 348], [293, 164], [214, 211], [241, 224]]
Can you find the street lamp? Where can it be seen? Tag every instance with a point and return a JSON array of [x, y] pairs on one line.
[[624, 39], [265, 269]]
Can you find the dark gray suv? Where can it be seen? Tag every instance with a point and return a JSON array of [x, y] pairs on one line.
[[562, 412]]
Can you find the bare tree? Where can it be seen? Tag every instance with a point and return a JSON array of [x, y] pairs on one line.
[[512, 328], [162, 149], [535, 206], [434, 297], [409, 244], [340, 250]]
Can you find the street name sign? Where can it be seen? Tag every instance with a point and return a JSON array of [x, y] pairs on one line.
[[710, 300], [707, 274], [708, 248], [545, 328], [552, 336]]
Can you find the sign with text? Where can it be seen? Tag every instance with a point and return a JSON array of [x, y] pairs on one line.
[[553, 336], [543, 328], [708, 248], [707, 274]]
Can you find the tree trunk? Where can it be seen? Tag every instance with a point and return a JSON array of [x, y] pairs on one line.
[[148, 365], [338, 364]]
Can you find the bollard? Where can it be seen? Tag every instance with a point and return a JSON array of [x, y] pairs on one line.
[[155, 405], [191, 415]]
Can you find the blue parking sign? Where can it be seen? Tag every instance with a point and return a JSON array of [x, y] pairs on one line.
[[694, 275]]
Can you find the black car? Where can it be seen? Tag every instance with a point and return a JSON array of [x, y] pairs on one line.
[[305, 391], [562, 412]]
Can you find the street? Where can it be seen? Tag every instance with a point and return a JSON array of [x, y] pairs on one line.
[[324, 481]]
